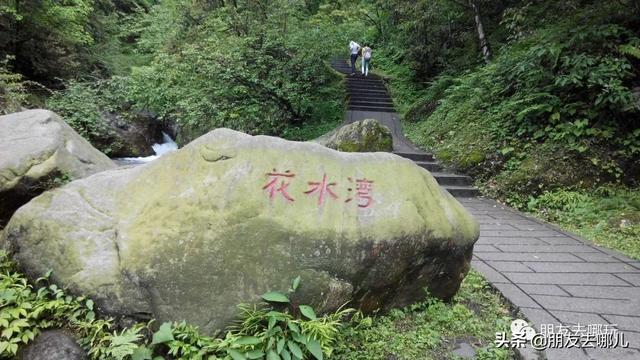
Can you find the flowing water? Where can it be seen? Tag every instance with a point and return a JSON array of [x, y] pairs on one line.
[[168, 145]]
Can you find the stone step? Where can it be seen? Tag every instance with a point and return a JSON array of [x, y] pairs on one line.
[[417, 156], [370, 101], [452, 179], [431, 166], [462, 191], [351, 87], [367, 80], [366, 87], [369, 96], [371, 108], [365, 91]]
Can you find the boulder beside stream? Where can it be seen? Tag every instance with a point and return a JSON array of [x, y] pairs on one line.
[[232, 216], [39, 151]]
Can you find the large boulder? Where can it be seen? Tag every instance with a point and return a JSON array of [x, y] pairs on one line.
[[368, 135], [132, 134], [231, 216], [39, 151]]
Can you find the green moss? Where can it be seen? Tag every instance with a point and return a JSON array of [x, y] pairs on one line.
[[474, 158], [367, 135]]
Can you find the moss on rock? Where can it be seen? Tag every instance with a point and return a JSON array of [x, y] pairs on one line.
[[367, 135]]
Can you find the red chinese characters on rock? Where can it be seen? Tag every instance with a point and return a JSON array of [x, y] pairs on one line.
[[364, 188], [272, 186], [323, 188], [278, 182], [364, 196]]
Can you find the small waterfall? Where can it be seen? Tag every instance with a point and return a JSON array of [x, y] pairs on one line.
[[167, 146]]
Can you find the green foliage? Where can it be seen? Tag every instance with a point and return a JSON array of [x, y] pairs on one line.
[[425, 330], [558, 83], [42, 35], [608, 216], [26, 310], [262, 331], [14, 89], [259, 77], [206, 66], [13, 92], [81, 105], [426, 37]]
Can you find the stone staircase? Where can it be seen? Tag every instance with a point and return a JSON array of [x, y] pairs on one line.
[[369, 94], [365, 93]]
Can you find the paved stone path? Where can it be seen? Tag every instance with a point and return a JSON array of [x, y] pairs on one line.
[[555, 277], [550, 276]]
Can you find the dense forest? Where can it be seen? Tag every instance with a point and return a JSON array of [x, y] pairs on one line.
[[538, 99]]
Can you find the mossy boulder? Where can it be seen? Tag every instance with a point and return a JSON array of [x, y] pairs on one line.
[[39, 151], [367, 135], [232, 216]]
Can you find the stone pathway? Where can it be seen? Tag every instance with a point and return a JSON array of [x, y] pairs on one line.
[[550, 276], [368, 99], [555, 277]]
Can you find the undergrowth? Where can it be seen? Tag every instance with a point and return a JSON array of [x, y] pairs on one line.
[[431, 329], [608, 216], [553, 115], [271, 330]]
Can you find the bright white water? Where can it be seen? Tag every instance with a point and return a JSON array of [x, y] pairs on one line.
[[167, 146]]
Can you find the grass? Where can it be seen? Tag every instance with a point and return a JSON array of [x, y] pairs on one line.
[[608, 216], [431, 329]]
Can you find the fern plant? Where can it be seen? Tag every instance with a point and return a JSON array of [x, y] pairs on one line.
[[263, 331]]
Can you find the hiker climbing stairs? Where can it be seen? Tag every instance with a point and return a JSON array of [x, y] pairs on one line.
[[369, 98]]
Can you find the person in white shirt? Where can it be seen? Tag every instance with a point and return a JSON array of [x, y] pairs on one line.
[[366, 59], [354, 48]]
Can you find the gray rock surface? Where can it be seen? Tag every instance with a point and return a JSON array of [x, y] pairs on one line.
[[52, 345], [39, 151]]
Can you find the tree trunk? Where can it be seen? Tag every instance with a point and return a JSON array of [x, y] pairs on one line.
[[482, 38]]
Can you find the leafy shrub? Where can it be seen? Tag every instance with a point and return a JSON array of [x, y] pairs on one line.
[[82, 104], [25, 310], [14, 88]]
